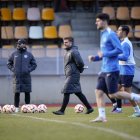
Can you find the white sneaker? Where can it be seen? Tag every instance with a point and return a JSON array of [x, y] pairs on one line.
[[136, 114], [16, 110], [99, 119]]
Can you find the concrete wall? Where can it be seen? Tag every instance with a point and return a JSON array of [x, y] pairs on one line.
[[47, 80], [47, 89]]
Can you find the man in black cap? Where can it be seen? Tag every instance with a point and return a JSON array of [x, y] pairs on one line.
[[21, 63]]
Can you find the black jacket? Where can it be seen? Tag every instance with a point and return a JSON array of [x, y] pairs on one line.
[[73, 66], [21, 63]]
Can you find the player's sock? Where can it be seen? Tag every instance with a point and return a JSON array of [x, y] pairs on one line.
[[136, 108], [102, 113], [115, 104], [119, 103]]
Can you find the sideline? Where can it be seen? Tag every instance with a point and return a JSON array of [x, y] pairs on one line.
[[120, 134]]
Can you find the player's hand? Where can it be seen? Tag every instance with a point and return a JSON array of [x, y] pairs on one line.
[[90, 58], [100, 54]]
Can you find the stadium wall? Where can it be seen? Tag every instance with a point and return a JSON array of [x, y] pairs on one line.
[[47, 89]]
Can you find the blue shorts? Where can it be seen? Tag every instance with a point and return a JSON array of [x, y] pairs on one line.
[[126, 80], [108, 82]]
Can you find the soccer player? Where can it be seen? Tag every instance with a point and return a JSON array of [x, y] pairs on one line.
[[108, 78], [127, 68], [73, 66]]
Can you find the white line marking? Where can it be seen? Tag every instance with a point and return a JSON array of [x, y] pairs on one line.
[[120, 134]]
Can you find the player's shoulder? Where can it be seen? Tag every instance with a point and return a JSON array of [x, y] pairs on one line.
[[126, 42], [110, 31], [112, 35]]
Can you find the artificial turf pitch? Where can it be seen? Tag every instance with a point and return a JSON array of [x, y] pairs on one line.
[[71, 126]]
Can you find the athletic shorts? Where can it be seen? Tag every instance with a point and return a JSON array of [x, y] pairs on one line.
[[108, 82], [126, 80]]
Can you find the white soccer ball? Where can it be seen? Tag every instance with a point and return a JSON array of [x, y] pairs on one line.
[[79, 108], [8, 108], [30, 108], [26, 109], [13, 108], [34, 108], [42, 108], [23, 109], [4, 108]]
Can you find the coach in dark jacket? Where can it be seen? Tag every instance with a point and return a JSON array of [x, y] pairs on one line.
[[21, 63], [73, 66]]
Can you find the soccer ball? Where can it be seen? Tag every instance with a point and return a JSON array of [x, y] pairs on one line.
[[5, 108], [42, 108], [26, 109], [30, 108], [8, 108], [79, 108], [13, 108], [34, 108], [0, 109]]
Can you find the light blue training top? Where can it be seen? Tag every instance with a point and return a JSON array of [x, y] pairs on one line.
[[126, 59], [110, 47]]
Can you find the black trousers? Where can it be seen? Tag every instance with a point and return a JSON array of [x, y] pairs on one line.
[[17, 98], [80, 95]]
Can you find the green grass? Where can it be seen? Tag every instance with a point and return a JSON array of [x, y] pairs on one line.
[[71, 126]]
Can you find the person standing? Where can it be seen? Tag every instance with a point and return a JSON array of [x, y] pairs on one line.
[[108, 78], [127, 68], [21, 63], [73, 66]]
